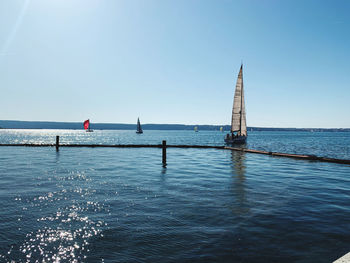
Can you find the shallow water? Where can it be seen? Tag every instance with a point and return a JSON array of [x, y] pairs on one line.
[[121, 205]]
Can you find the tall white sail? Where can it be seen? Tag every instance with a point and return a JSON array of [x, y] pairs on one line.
[[238, 122]]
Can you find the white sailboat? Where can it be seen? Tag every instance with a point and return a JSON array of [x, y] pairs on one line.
[[139, 128], [238, 122]]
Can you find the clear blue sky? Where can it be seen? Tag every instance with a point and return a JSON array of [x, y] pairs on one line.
[[175, 61]]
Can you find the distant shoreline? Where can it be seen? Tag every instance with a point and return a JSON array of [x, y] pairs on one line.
[[10, 124]]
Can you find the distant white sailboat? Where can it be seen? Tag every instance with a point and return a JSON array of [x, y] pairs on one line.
[[238, 122], [196, 129], [139, 128]]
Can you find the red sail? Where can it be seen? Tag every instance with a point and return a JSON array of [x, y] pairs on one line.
[[86, 124]]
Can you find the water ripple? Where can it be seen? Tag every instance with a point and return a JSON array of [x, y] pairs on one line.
[[90, 204]]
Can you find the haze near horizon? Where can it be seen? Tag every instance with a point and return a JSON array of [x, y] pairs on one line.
[[175, 61]]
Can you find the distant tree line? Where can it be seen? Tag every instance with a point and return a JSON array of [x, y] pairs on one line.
[[9, 124]]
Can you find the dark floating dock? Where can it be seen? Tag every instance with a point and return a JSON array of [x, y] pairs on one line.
[[164, 146]]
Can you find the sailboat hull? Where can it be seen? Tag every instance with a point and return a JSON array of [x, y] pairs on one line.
[[236, 139]]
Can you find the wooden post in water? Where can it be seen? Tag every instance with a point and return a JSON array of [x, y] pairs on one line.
[[164, 153], [57, 142]]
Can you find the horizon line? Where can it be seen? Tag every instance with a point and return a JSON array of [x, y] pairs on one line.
[[116, 123]]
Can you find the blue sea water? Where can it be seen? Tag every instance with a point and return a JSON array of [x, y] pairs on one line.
[[121, 205]]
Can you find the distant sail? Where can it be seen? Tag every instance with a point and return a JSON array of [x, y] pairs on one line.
[[86, 124], [196, 129], [139, 128], [238, 122]]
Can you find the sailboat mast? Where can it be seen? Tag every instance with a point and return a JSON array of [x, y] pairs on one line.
[[233, 112]]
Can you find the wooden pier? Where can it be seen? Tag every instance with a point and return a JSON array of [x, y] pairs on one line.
[[164, 146]]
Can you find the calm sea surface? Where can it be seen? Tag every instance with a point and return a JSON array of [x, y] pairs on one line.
[[121, 205]]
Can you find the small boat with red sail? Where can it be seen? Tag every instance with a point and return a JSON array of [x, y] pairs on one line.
[[87, 126]]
